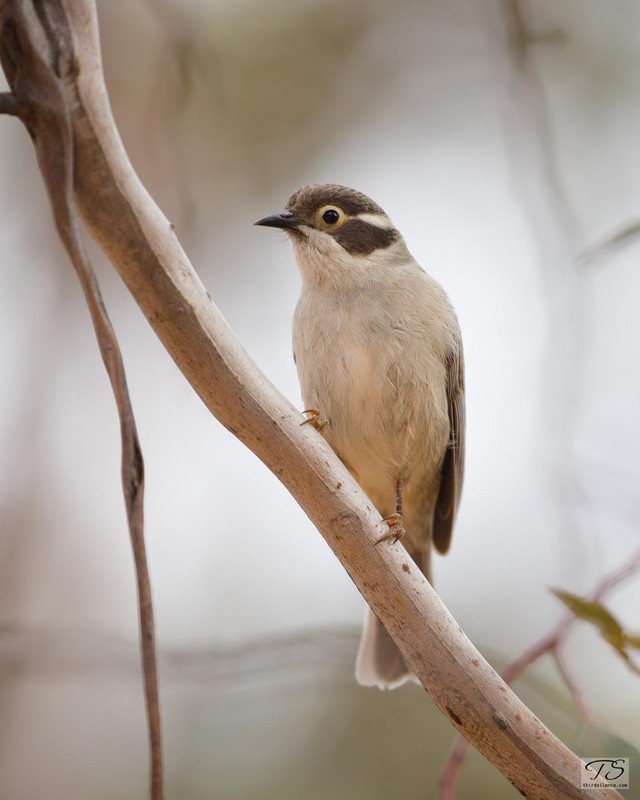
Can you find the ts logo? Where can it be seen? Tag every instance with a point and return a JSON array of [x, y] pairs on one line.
[[605, 772]]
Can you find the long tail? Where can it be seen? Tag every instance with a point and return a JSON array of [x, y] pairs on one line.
[[379, 662]]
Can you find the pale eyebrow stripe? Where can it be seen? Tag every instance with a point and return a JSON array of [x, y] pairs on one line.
[[379, 220]]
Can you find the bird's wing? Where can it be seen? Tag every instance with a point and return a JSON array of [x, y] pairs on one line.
[[453, 464]]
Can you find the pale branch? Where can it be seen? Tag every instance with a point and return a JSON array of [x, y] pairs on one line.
[[39, 99], [622, 236], [143, 247], [82, 654], [631, 568], [575, 690], [550, 644], [451, 771]]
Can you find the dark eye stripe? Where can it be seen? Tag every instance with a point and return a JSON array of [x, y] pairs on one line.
[[361, 238]]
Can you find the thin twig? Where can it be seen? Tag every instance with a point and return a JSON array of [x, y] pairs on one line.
[[624, 235], [552, 643], [451, 770], [575, 690], [616, 578], [40, 102]]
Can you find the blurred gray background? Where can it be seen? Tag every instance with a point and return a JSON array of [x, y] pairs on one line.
[[502, 139]]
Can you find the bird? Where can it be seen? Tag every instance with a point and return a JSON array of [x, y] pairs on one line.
[[378, 350]]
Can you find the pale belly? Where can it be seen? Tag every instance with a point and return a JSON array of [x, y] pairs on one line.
[[387, 413]]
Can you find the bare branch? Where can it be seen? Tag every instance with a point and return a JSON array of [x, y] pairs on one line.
[[553, 643], [39, 99], [451, 770], [612, 581], [624, 235], [143, 247], [577, 695]]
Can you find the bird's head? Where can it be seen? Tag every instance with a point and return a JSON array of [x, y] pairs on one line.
[[338, 233]]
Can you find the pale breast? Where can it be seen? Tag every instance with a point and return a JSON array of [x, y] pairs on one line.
[[375, 370]]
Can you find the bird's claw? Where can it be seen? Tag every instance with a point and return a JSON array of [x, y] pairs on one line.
[[396, 529], [314, 419]]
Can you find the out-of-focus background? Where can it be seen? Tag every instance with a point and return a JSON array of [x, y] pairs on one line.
[[502, 138]]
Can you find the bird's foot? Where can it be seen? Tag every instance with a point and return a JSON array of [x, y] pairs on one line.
[[396, 529], [314, 419]]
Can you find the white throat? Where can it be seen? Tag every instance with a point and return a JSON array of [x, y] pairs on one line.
[[324, 263]]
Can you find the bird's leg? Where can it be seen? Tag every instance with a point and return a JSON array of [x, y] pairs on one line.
[[396, 528], [314, 419]]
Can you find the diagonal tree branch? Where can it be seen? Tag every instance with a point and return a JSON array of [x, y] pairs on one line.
[[39, 100], [143, 247]]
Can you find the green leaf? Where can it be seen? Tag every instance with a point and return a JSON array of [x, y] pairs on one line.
[[610, 629], [595, 613], [632, 641]]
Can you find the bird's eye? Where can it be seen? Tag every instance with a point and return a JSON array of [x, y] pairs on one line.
[[330, 218]]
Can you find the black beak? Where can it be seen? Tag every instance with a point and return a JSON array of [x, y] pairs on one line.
[[284, 220]]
